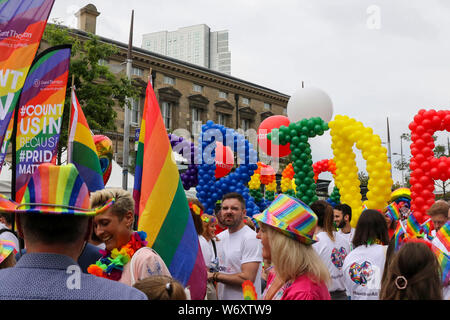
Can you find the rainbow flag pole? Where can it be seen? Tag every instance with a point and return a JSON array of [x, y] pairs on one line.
[[163, 207]]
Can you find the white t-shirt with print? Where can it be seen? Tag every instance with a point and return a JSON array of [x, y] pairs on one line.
[[207, 250], [333, 254], [348, 236], [234, 250], [363, 269]]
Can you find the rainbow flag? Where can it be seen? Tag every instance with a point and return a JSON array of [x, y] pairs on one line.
[[427, 227], [163, 208], [22, 23], [393, 211], [444, 262], [444, 235], [40, 111], [82, 151], [413, 227], [398, 235], [139, 164]]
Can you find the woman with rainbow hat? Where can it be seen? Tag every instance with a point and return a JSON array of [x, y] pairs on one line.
[[287, 235]]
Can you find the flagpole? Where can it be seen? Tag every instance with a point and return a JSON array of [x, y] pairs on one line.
[[126, 125], [69, 148], [389, 144]]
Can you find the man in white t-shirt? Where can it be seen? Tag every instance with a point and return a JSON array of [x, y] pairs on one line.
[[239, 251], [342, 218]]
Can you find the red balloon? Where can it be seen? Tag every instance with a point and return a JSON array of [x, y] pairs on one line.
[[224, 160], [273, 122], [425, 167]]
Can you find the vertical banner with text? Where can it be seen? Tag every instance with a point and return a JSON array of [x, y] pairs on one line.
[[22, 23], [40, 113]]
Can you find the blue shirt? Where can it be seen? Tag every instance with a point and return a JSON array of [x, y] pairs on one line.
[[89, 256], [48, 276]]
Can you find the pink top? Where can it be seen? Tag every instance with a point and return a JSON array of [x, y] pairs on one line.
[[146, 262], [302, 288]]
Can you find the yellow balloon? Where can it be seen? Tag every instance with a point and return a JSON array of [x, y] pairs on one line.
[[346, 132]]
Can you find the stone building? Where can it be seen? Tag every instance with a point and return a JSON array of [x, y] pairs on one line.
[[187, 94]]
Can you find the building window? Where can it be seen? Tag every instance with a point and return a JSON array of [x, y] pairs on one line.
[[166, 112], [197, 88], [196, 119], [222, 119], [246, 101], [223, 95], [267, 106], [135, 103], [137, 71], [102, 62], [169, 80], [245, 124], [285, 111]]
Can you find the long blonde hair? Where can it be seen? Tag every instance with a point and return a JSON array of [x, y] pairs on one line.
[[292, 258]]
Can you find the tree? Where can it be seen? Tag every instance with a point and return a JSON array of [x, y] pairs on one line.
[[98, 89]]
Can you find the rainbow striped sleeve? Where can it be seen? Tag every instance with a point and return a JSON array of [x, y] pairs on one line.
[[82, 151], [163, 207]]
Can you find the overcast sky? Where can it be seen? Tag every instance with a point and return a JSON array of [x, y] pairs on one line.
[[375, 59]]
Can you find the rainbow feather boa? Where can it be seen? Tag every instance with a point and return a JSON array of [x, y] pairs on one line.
[[111, 265]]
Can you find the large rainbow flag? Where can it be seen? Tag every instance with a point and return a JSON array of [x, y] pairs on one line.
[[163, 208], [41, 107], [22, 23], [82, 151]]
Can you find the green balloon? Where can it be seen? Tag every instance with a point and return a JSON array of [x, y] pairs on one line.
[[300, 175], [297, 151], [292, 133], [295, 140], [303, 138], [303, 145]]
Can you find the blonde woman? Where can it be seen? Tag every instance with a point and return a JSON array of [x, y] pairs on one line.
[[287, 235]]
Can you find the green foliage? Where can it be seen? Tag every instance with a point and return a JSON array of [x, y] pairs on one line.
[[98, 90]]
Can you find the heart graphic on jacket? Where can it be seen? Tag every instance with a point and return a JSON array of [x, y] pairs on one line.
[[338, 256], [360, 273]]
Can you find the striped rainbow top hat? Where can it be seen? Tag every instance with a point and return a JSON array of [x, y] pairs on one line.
[[292, 217], [6, 248], [55, 190]]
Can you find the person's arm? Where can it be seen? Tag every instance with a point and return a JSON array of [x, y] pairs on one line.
[[249, 271]]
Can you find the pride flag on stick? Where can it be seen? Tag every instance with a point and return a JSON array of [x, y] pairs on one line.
[[163, 208], [82, 151]]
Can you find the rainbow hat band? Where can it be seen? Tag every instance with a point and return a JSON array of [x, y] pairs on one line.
[[291, 217], [401, 193], [55, 190], [6, 248]]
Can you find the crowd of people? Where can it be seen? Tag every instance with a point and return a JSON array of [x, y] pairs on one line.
[[290, 251]]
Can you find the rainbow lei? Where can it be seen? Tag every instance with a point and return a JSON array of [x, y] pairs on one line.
[[111, 265]]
